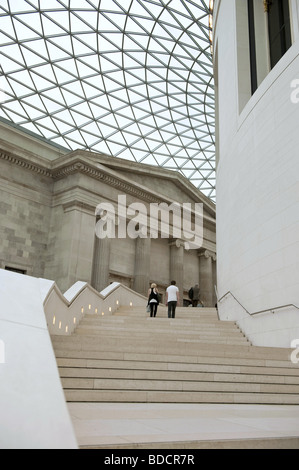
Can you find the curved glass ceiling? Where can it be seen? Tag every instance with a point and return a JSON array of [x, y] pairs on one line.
[[128, 78]]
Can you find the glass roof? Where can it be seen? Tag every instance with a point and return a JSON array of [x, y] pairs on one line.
[[128, 78]]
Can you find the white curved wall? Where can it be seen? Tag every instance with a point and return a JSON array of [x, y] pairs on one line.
[[257, 185], [33, 410]]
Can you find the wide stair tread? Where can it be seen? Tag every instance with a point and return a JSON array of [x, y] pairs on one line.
[[194, 358]]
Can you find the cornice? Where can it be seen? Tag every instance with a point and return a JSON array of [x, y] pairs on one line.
[[77, 204], [79, 167], [157, 172], [98, 174], [26, 164], [70, 164], [113, 164]]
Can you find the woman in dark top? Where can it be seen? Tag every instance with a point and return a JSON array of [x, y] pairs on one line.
[[153, 299]]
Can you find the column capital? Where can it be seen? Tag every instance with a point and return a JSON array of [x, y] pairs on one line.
[[177, 242], [207, 254]]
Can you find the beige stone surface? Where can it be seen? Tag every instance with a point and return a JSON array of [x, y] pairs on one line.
[[191, 426], [191, 382], [48, 204]]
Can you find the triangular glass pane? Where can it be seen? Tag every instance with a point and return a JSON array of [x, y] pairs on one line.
[[64, 43], [105, 130], [100, 107], [63, 126], [4, 5], [34, 107], [89, 17], [18, 89], [92, 129], [37, 47], [55, 95], [92, 61], [102, 148], [79, 119], [90, 40], [115, 148], [83, 109], [41, 84], [12, 53], [56, 53], [77, 25], [23, 32], [61, 75], [64, 116], [16, 110], [118, 19], [52, 106], [50, 28], [47, 123]]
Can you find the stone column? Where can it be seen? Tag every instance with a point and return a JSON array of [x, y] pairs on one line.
[[214, 268], [206, 278], [176, 270], [72, 244], [142, 265], [101, 260]]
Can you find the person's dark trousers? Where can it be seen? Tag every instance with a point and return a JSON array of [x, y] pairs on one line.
[[154, 308], [171, 309]]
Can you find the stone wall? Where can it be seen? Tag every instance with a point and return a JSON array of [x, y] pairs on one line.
[[48, 219], [25, 210]]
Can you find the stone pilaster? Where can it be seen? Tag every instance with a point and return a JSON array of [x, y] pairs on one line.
[[101, 260], [214, 269], [142, 265], [206, 278], [177, 265]]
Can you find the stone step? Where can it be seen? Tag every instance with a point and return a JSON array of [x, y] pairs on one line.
[[167, 334], [179, 309], [162, 329], [180, 344], [186, 313], [92, 344], [194, 358], [158, 396], [176, 385], [134, 316], [147, 327], [259, 377], [147, 345], [154, 324], [202, 365], [215, 444]]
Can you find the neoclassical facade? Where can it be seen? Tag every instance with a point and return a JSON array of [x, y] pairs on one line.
[[49, 215]]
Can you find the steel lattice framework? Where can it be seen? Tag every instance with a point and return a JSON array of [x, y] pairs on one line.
[[128, 78]]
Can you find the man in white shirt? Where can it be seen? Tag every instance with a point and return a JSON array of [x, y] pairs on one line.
[[172, 298]]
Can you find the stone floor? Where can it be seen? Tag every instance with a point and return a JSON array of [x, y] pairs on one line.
[[157, 426]]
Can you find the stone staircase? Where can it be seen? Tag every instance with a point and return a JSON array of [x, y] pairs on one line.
[[194, 358]]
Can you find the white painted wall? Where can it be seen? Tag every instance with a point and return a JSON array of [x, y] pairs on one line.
[[257, 188], [33, 411]]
